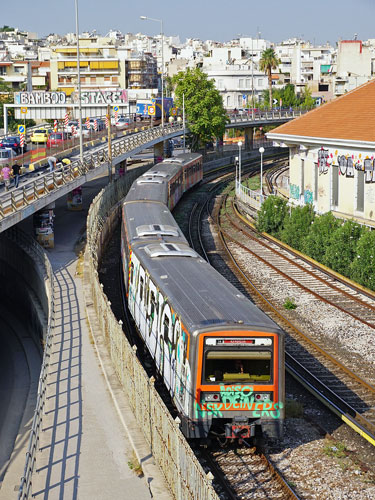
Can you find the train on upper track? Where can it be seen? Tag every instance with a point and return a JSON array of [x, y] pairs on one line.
[[221, 358]]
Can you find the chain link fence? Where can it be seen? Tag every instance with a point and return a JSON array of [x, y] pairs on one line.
[[183, 474]]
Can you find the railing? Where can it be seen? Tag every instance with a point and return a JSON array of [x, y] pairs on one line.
[[183, 473], [252, 198], [258, 116], [46, 276], [31, 191]]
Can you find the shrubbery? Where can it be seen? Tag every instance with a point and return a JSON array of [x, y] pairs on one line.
[[346, 247]]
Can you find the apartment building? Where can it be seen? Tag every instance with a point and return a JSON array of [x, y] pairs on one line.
[[354, 65], [102, 65]]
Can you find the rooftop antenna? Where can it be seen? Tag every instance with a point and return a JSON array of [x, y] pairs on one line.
[[355, 36]]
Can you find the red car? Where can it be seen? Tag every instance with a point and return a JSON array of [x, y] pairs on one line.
[[56, 138]]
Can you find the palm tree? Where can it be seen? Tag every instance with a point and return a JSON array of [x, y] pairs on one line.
[[267, 63]]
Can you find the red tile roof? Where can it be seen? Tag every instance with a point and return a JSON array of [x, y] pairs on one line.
[[350, 117]]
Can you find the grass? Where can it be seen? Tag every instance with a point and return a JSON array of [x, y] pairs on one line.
[[289, 303], [135, 466], [335, 449]]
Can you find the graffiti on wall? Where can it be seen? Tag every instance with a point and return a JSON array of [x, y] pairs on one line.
[[294, 191], [346, 164], [308, 196]]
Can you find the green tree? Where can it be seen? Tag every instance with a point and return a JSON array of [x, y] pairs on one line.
[[272, 214], [342, 247], [307, 102], [362, 269], [6, 28], [289, 96], [267, 63], [203, 106], [316, 241], [297, 226]]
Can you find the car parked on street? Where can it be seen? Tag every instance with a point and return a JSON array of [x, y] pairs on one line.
[[56, 139], [39, 135], [122, 123], [6, 155], [13, 142]]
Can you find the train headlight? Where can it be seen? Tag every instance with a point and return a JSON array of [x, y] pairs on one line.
[[212, 398]]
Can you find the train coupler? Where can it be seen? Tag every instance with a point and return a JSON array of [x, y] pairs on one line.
[[239, 428]]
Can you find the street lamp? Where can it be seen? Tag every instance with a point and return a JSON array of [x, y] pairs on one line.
[[79, 89], [145, 18], [239, 162], [261, 151]]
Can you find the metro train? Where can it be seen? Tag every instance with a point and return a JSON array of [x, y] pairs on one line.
[[220, 357]]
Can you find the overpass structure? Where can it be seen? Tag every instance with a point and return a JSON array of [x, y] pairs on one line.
[[41, 191]]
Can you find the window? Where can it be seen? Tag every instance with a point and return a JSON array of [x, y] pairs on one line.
[[360, 190], [237, 366], [131, 272], [302, 176], [240, 101], [152, 308], [228, 101], [141, 289], [248, 83], [335, 186], [260, 82], [220, 84], [240, 83], [166, 328]]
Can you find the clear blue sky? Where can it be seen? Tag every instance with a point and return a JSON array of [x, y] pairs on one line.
[[318, 20]]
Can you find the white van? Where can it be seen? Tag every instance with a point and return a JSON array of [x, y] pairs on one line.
[[6, 155]]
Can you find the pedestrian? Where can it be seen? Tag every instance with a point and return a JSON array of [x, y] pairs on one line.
[[5, 173], [52, 160], [16, 174]]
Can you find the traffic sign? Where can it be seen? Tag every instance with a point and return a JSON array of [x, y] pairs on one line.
[[24, 110], [151, 110], [115, 108], [174, 111], [244, 97], [21, 129]]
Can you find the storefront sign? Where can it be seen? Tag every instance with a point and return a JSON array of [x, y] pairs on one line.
[[39, 97], [102, 97]]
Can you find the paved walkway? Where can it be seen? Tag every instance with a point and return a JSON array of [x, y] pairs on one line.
[[85, 451]]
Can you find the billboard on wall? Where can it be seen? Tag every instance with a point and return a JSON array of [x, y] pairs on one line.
[[39, 97], [112, 97]]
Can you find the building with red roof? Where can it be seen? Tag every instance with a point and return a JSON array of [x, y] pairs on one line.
[[332, 155]]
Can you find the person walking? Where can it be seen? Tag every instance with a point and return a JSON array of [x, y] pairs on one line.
[[5, 173], [16, 174], [52, 160]]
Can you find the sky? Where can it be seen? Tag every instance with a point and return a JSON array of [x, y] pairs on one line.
[[318, 21]]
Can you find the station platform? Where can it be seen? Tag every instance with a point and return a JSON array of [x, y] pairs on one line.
[[88, 436]]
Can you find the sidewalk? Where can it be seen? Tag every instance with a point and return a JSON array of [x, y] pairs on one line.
[[85, 450]]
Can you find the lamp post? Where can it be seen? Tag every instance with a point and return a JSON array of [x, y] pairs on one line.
[[239, 163], [183, 118], [145, 18], [79, 89], [261, 151]]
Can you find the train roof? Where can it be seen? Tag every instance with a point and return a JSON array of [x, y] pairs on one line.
[[148, 190], [203, 298], [147, 221], [181, 159]]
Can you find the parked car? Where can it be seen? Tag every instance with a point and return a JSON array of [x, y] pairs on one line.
[[57, 138], [85, 132], [39, 136], [13, 142], [6, 155], [122, 123], [71, 123]]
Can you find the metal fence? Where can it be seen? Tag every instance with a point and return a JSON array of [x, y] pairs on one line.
[[261, 116], [252, 198], [34, 189], [184, 475], [45, 272]]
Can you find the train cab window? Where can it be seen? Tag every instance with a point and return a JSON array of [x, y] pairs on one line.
[[236, 367], [166, 328], [141, 288]]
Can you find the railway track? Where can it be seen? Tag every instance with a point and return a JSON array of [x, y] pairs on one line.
[[244, 473], [316, 366]]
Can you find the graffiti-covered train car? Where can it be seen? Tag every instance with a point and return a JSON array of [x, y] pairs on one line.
[[221, 358]]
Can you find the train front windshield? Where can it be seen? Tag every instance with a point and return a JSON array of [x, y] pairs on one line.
[[237, 367]]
